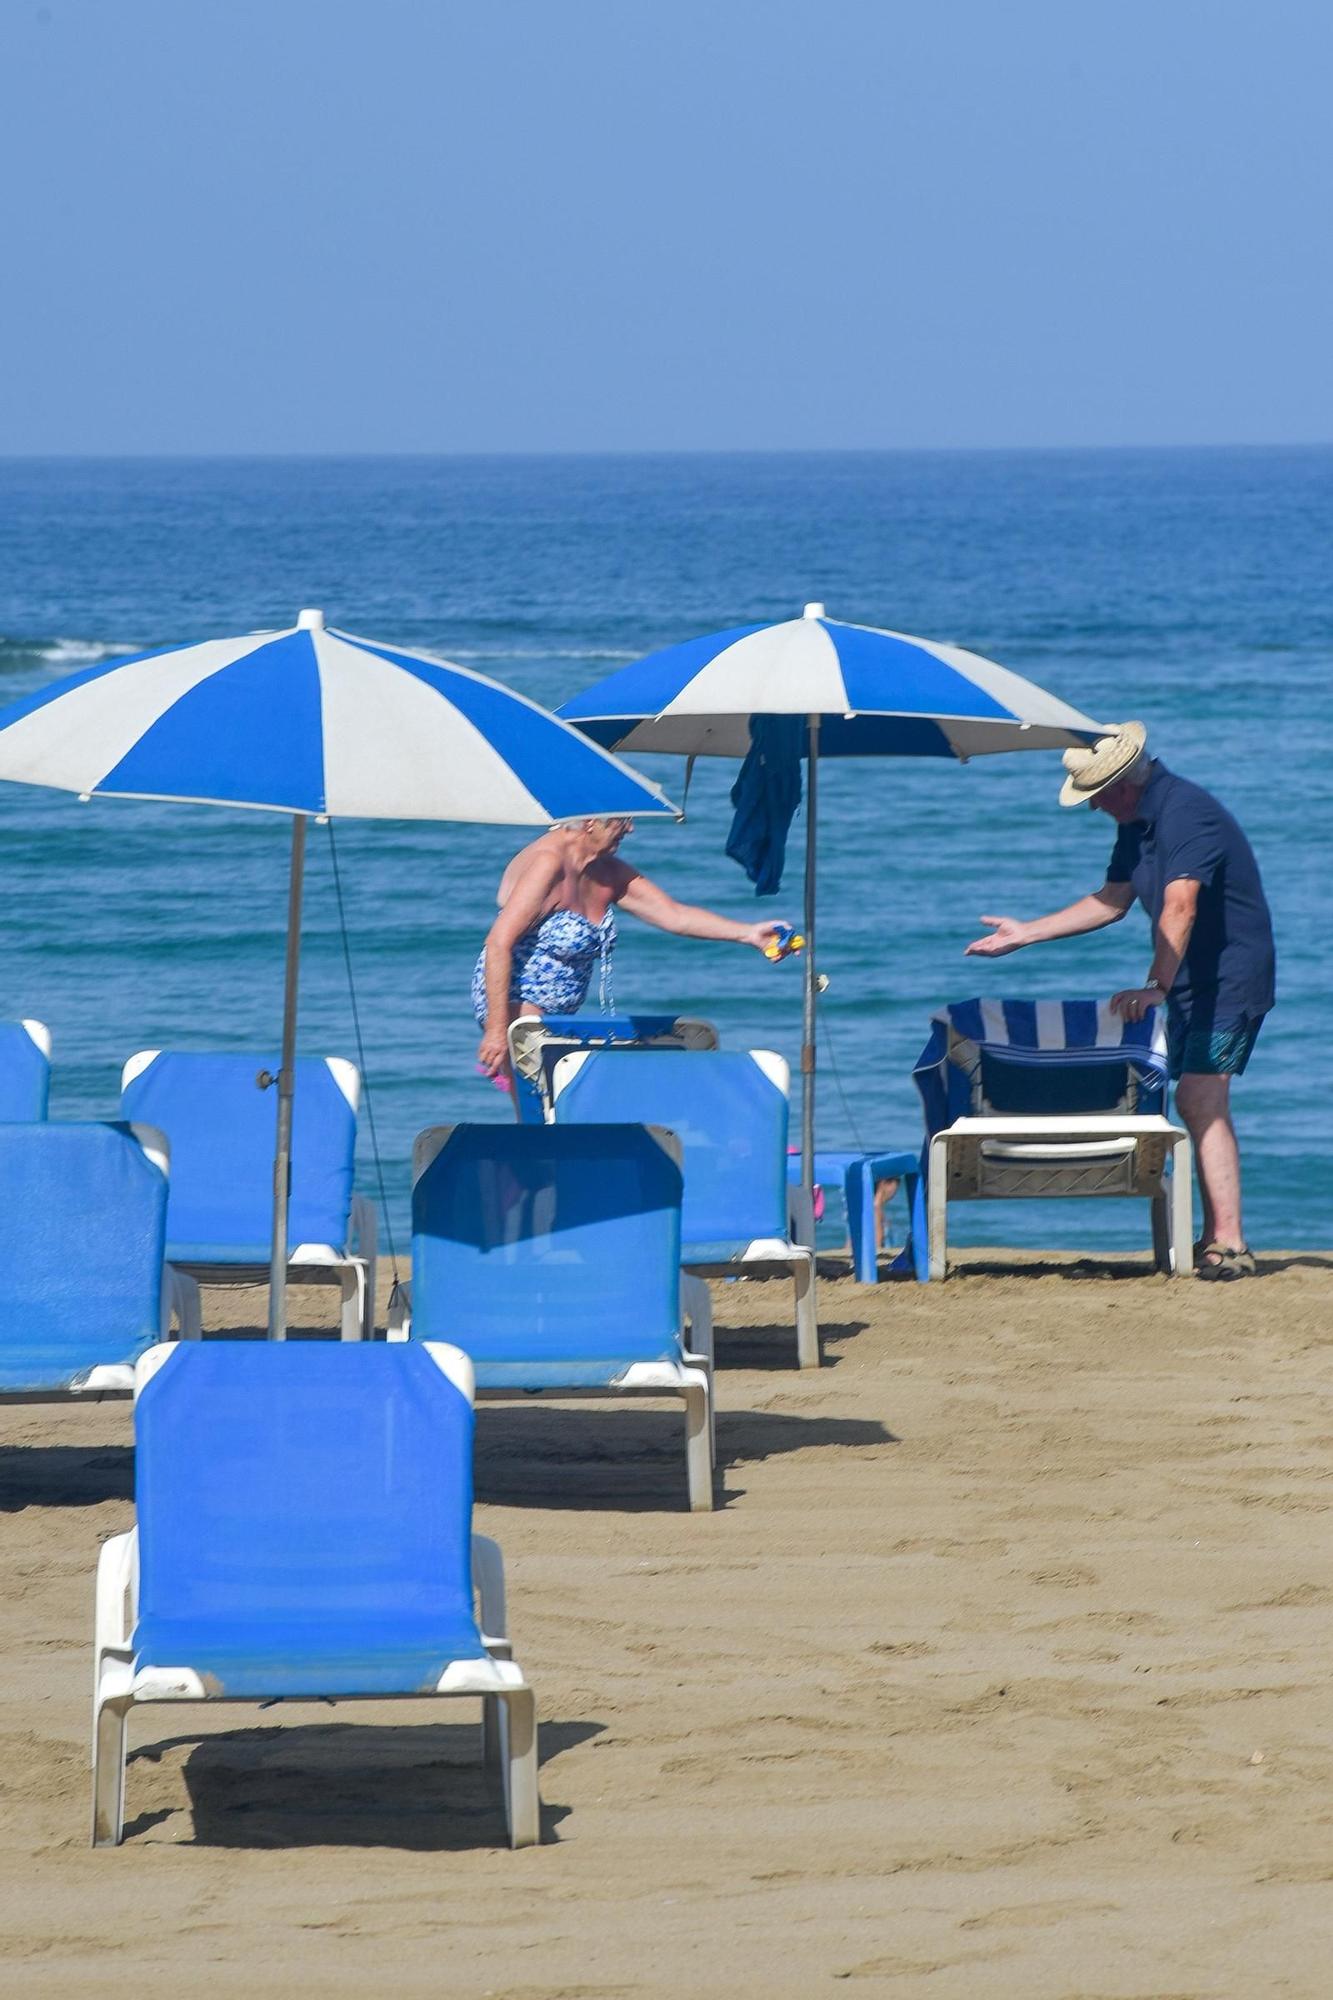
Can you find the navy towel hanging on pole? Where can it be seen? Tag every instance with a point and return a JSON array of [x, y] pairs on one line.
[[766, 795]]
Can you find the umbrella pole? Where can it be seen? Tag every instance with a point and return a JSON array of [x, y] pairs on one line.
[[286, 1079], [808, 1011]]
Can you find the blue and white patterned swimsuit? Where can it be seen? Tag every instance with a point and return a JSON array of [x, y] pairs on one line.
[[553, 964]]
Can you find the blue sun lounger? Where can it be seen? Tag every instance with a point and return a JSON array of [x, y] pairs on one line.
[[1032, 1099], [84, 1289], [25, 1070], [304, 1516], [222, 1130], [729, 1108], [552, 1258], [857, 1176]]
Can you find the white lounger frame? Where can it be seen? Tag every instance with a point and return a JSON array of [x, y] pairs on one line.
[[1110, 1154], [509, 1711], [353, 1267], [792, 1256], [39, 1035], [180, 1301], [691, 1378]]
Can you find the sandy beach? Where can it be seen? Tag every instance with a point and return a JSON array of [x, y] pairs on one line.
[[1001, 1669]]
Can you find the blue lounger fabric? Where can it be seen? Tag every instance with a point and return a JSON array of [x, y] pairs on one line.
[[25, 1074], [305, 1514], [82, 1234], [550, 1256], [585, 1031], [222, 1132], [731, 1120]]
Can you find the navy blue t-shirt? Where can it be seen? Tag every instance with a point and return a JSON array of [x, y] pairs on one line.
[[1227, 970]]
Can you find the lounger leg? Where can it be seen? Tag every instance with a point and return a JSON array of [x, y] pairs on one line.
[[109, 1738], [368, 1244], [518, 1728], [488, 1577], [352, 1283], [919, 1239], [491, 1735], [859, 1196], [697, 1306], [938, 1205], [807, 1313], [113, 1618], [1182, 1208], [698, 1457], [1161, 1232]]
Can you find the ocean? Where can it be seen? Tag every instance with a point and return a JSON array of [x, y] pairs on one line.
[[1188, 588]]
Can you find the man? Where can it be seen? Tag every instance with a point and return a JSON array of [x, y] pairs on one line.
[[1182, 855]]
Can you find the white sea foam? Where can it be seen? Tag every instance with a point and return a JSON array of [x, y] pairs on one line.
[[78, 652]]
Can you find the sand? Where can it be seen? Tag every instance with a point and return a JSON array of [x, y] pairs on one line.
[[1002, 1669]]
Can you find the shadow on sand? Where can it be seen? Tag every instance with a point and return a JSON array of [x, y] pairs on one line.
[[1074, 1269], [772, 1347], [64, 1475], [631, 1460], [626, 1459], [421, 1787]]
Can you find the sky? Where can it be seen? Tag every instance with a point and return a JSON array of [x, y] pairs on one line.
[[613, 225]]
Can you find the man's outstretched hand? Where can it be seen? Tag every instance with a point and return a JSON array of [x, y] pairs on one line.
[[1008, 935]]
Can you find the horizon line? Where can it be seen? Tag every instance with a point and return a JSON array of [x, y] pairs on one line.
[[187, 456]]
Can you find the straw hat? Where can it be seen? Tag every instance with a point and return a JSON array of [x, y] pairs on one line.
[[1110, 757]]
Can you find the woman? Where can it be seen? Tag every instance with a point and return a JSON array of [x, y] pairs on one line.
[[557, 926]]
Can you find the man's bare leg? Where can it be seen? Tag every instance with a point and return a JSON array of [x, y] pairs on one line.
[[1204, 1102]]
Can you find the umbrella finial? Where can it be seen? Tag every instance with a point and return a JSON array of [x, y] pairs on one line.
[[310, 621], [813, 611]]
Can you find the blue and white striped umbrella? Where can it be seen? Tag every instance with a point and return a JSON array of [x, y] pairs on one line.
[[862, 693], [313, 721], [876, 694]]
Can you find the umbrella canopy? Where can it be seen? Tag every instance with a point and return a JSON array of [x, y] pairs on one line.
[[862, 692], [877, 694], [313, 721]]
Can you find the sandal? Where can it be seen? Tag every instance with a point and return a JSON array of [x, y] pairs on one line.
[[1220, 1262]]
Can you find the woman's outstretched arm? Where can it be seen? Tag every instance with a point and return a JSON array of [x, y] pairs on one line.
[[521, 910], [643, 899]]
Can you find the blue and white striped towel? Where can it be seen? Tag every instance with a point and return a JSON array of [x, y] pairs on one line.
[[1036, 1031]]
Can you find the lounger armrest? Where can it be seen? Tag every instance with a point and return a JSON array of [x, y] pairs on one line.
[[117, 1593], [801, 1216], [400, 1312], [181, 1302], [363, 1227], [488, 1577], [775, 1250]]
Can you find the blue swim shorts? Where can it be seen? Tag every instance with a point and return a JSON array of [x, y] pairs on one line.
[[1212, 1049]]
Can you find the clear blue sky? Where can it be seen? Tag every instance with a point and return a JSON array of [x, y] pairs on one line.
[[417, 225]]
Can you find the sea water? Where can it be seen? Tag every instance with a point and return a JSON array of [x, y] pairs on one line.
[[1188, 588]]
